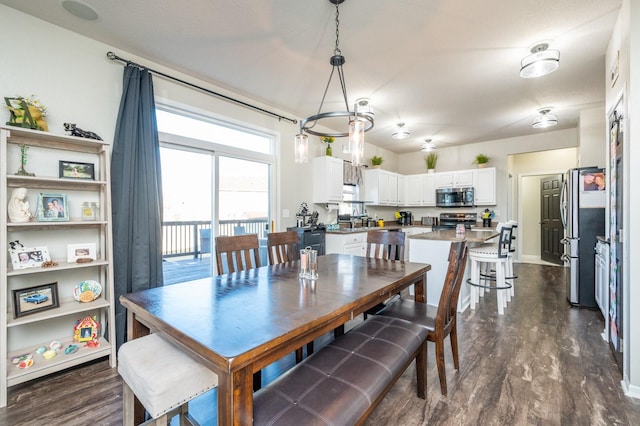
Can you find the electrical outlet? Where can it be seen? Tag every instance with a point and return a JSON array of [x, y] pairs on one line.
[[285, 213]]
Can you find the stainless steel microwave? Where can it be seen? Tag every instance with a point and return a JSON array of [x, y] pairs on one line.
[[455, 197]]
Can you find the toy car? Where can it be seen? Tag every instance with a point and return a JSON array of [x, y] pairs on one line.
[[36, 298]]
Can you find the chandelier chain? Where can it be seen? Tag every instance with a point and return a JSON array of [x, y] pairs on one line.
[[337, 49]]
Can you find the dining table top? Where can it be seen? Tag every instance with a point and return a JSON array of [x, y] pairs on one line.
[[248, 319]]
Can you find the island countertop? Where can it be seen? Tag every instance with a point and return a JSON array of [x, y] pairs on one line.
[[472, 236]]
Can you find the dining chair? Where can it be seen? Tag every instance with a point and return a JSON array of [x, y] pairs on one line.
[[285, 247], [441, 320], [240, 252], [387, 245]]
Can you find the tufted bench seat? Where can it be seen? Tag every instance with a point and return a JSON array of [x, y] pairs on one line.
[[342, 383]]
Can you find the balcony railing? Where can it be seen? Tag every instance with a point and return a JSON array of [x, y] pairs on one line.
[[194, 237]]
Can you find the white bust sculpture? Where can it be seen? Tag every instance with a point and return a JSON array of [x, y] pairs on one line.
[[18, 208]]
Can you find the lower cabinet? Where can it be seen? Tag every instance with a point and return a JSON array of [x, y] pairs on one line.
[[354, 243]]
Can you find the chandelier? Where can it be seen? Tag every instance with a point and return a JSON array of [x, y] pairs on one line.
[[356, 122]]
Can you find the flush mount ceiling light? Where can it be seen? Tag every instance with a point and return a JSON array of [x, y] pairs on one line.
[[542, 61], [356, 122], [427, 146], [80, 10], [401, 131], [544, 119]]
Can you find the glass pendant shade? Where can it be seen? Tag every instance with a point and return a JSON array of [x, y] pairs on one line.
[[301, 147], [544, 120], [356, 141], [401, 132], [541, 62]]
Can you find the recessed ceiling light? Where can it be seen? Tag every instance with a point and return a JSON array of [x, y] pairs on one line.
[[80, 10]]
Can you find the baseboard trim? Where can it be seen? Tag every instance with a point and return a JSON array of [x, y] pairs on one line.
[[632, 391]]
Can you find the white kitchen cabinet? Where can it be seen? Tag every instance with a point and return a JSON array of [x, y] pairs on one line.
[[381, 187], [22, 331], [456, 179], [412, 230], [414, 192], [353, 243], [327, 180], [402, 190], [429, 190], [484, 183]]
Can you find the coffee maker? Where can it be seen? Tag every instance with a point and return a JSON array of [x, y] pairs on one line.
[[406, 218]]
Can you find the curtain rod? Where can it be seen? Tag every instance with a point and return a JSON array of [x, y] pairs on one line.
[[112, 56]]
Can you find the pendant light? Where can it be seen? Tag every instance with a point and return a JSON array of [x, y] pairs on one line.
[[401, 131], [301, 147], [544, 119], [356, 123], [427, 146], [540, 62]]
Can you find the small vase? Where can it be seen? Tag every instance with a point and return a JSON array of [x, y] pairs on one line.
[[376, 166], [329, 151], [431, 170], [482, 165]]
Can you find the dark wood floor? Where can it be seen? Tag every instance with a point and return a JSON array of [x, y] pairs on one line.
[[541, 363]]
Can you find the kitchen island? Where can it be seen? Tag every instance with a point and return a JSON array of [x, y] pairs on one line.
[[433, 248]]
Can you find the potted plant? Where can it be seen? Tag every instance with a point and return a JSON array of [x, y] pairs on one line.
[[328, 140], [376, 161], [481, 160], [431, 159]]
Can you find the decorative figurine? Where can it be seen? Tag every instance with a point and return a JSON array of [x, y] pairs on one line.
[[77, 131], [22, 171], [86, 330], [18, 207]]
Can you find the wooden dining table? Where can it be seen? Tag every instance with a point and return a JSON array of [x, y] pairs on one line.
[[237, 324]]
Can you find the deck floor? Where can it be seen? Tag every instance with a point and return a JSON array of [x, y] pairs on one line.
[[182, 269]]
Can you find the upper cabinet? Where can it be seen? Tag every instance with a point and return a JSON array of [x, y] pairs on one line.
[[420, 190], [328, 180], [381, 187], [457, 179], [484, 183]]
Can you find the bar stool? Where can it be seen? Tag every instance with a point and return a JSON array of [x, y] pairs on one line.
[[487, 256], [162, 377], [511, 277]]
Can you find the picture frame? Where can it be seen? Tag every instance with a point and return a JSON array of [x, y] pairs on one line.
[[75, 170], [53, 207], [28, 257], [27, 301], [81, 251]]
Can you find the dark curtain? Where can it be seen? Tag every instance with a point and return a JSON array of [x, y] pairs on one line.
[[136, 193]]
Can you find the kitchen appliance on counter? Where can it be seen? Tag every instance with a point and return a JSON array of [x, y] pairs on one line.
[[582, 203], [452, 220], [406, 218], [311, 236], [455, 197]]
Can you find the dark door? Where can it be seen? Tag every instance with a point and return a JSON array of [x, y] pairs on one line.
[[551, 231]]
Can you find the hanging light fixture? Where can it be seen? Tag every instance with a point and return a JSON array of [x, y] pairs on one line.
[[544, 119], [357, 121], [427, 146], [301, 147], [401, 131], [541, 61]]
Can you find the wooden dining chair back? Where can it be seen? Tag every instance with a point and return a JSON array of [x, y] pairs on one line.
[[283, 247], [441, 320], [387, 245], [237, 253]]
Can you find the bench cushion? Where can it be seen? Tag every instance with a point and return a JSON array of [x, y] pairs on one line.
[[338, 384], [161, 375]]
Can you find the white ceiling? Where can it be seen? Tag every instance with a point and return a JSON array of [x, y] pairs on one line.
[[447, 68]]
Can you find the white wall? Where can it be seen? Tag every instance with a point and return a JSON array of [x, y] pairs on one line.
[[592, 130]]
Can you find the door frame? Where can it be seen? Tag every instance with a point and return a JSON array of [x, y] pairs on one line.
[[521, 225]]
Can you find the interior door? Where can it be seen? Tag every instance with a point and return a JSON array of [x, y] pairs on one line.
[[551, 230]]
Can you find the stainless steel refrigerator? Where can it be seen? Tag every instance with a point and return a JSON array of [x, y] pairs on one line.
[[582, 204]]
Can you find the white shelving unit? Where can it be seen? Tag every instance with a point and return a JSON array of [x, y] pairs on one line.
[[25, 333]]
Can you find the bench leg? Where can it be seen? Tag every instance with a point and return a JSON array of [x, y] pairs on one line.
[[421, 370]]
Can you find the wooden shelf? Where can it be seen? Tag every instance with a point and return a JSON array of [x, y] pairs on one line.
[[61, 267], [21, 136], [66, 308], [54, 183], [40, 226]]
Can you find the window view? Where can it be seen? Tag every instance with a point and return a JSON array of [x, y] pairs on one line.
[[202, 200]]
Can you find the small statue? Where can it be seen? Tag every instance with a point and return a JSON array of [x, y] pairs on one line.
[[76, 131], [18, 208]]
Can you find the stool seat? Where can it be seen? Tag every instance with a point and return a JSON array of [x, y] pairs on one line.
[[161, 376]]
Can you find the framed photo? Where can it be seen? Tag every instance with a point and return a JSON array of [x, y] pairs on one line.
[[53, 208], [30, 300], [28, 257], [72, 170], [81, 251]]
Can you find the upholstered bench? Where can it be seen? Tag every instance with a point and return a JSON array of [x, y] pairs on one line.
[[162, 377], [343, 382]]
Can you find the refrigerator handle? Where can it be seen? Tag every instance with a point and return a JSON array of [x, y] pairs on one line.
[[563, 204]]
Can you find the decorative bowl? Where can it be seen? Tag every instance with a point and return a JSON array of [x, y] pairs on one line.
[[87, 291]]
